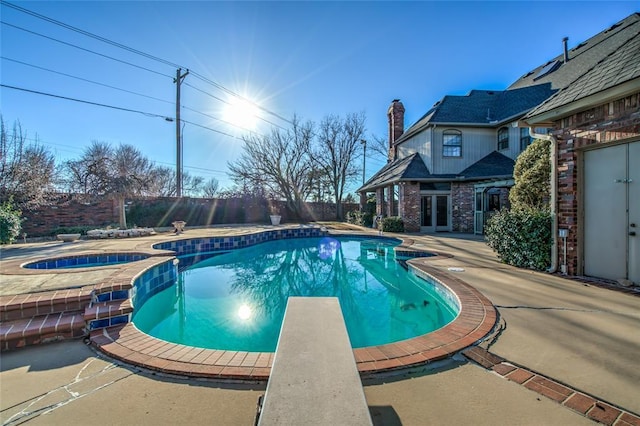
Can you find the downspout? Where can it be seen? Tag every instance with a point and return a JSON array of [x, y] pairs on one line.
[[554, 195]]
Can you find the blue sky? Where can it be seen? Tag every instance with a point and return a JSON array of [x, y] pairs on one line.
[[304, 58]]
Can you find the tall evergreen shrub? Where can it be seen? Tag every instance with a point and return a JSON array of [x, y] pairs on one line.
[[10, 222], [522, 236]]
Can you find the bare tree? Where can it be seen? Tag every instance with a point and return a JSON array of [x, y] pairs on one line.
[[91, 173], [27, 170], [103, 171], [210, 189], [338, 146], [131, 174], [280, 162]]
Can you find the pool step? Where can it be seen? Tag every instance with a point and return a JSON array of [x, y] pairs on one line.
[[25, 306], [39, 329], [35, 318], [107, 314]]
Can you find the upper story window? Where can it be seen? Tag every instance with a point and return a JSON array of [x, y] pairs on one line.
[[525, 139], [452, 143], [503, 138]]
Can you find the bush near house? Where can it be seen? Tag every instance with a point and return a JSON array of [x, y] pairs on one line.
[[521, 237], [10, 222], [392, 224], [360, 218]]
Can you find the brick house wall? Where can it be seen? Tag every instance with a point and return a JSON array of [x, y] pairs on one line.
[[409, 205], [462, 207], [606, 123]]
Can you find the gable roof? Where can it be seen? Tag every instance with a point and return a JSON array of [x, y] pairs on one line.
[[492, 165], [582, 57], [412, 168], [481, 108], [407, 168], [491, 108], [620, 69]]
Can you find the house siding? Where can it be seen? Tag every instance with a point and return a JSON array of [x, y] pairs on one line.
[[476, 144], [604, 124], [420, 143]]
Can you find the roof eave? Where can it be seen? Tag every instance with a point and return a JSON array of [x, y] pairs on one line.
[[607, 95]]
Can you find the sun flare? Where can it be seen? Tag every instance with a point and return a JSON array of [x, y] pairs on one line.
[[244, 313], [241, 113]]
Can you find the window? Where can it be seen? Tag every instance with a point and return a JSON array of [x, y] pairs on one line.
[[452, 143], [525, 139], [503, 138]]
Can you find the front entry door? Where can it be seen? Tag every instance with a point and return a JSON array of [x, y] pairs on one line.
[[435, 213]]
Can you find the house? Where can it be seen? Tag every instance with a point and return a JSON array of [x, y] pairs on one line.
[[595, 121], [454, 166]]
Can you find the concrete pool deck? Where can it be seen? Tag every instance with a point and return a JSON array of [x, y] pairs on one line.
[[578, 334]]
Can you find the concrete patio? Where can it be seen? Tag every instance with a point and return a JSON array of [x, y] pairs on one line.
[[576, 333]]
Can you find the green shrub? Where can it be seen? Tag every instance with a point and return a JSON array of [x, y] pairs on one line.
[[392, 224], [521, 237], [360, 218], [10, 222]]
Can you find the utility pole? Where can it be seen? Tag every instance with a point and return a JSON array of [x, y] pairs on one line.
[[178, 81], [364, 158]]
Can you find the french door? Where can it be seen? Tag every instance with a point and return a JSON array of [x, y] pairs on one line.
[[435, 213]]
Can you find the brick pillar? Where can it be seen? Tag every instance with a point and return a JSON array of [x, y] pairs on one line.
[[463, 207], [409, 205], [380, 204], [391, 202], [363, 200], [395, 114]]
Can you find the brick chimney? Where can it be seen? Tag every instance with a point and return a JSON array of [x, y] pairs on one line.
[[396, 126]]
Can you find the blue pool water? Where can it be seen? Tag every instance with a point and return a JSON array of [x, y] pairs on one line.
[[236, 300], [86, 261]]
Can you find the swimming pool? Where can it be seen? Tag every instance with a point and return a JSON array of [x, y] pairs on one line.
[[235, 300], [86, 261]]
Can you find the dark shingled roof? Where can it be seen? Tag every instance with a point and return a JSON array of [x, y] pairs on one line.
[[621, 66], [485, 107], [584, 56], [412, 168], [493, 165], [408, 168]]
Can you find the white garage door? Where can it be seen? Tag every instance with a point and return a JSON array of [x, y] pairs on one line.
[[612, 212]]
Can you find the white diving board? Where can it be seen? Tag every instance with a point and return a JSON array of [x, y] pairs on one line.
[[314, 379]]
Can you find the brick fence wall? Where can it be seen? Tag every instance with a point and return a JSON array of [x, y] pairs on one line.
[[79, 211]]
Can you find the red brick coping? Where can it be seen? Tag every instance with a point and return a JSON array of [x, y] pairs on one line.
[[588, 406], [476, 319]]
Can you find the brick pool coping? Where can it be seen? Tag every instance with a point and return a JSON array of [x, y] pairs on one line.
[[476, 319], [125, 342]]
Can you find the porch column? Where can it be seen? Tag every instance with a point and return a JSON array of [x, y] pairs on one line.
[[380, 204], [409, 205], [391, 203]]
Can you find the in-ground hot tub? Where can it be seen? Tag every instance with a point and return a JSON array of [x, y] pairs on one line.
[[86, 261]]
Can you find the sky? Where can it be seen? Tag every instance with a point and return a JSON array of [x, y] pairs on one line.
[[311, 59]]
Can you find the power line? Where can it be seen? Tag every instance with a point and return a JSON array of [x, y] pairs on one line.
[[86, 80], [126, 91], [88, 34], [148, 114], [72, 148], [144, 54], [86, 50], [227, 103]]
